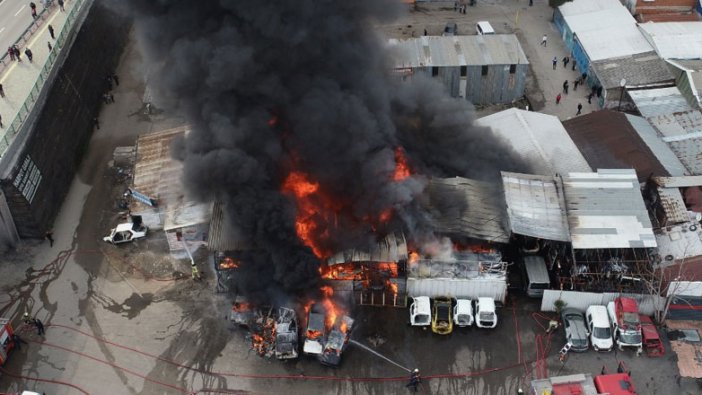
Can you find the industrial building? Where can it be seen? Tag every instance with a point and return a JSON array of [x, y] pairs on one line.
[[483, 69]]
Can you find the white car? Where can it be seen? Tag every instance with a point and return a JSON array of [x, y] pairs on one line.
[[598, 326], [485, 314], [420, 311], [127, 232], [463, 313]]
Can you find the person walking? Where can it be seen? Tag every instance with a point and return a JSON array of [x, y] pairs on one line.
[[565, 61], [555, 62], [33, 8], [589, 98], [580, 109], [51, 32], [40, 326], [29, 54], [575, 84], [544, 39], [97, 123], [11, 52], [18, 54], [48, 44], [2, 91], [565, 87], [574, 63], [49, 235], [61, 7], [116, 79], [558, 99]]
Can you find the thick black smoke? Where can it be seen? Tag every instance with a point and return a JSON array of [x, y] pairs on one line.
[[317, 68]]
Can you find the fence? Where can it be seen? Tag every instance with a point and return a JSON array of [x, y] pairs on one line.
[[30, 101], [648, 304]]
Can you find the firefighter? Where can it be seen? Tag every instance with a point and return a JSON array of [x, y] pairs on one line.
[[415, 380], [196, 273], [26, 319]]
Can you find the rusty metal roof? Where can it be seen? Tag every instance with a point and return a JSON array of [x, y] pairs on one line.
[[608, 140], [158, 175], [222, 235], [392, 248], [673, 205]]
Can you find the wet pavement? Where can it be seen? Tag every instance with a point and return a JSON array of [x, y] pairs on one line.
[[122, 320]]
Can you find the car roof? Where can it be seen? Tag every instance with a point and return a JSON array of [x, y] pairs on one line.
[[486, 303], [463, 306], [123, 227], [599, 315], [628, 304], [422, 303]]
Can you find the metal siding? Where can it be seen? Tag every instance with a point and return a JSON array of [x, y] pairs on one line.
[[470, 289], [690, 308], [648, 304], [580, 56]]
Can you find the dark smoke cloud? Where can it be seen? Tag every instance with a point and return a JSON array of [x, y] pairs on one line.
[[231, 66]]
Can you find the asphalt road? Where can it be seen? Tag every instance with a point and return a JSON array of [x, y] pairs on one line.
[[15, 17]]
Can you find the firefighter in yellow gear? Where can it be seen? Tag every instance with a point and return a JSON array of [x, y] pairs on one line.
[[196, 273]]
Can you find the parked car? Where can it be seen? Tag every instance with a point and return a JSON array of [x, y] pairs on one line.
[[315, 334], [485, 314], [451, 29], [336, 343], [442, 322], [626, 326], [286, 334], [651, 338], [536, 279], [463, 313], [575, 329], [127, 232], [420, 311], [484, 28], [598, 326]]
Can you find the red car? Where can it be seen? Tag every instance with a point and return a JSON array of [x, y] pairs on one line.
[[651, 339]]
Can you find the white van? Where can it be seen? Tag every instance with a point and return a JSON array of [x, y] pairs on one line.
[[537, 278], [463, 313], [485, 315], [484, 28], [598, 326], [420, 311]]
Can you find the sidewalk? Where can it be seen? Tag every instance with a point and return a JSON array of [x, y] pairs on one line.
[[19, 79]]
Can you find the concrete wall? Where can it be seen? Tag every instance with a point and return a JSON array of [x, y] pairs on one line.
[[48, 161]]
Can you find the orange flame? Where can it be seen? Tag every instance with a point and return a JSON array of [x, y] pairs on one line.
[[390, 267], [413, 257], [402, 169], [228, 263], [241, 307], [343, 327], [392, 286], [327, 291], [298, 184], [331, 313]]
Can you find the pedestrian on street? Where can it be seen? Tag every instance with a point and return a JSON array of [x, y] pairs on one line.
[[455, 6], [40, 326], [28, 52], [11, 52], [555, 62], [589, 98], [17, 53], [574, 63], [61, 7], [575, 85], [108, 78], [97, 123], [116, 79], [51, 32], [565, 61], [580, 108], [48, 44], [49, 235], [544, 39], [558, 99], [33, 8], [565, 87], [1, 125], [2, 91]]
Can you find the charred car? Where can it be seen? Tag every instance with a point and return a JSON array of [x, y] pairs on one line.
[[127, 232], [286, 334], [336, 342], [242, 313], [315, 333]]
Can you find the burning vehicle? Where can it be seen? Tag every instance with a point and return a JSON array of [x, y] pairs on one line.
[[336, 342], [242, 314], [286, 334], [127, 232], [626, 325], [316, 329]]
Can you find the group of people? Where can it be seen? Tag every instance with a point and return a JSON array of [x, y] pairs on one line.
[[15, 53], [112, 80]]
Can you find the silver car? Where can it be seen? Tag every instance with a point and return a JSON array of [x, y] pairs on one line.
[[575, 329]]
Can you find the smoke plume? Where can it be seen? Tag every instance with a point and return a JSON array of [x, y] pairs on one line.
[[305, 85]]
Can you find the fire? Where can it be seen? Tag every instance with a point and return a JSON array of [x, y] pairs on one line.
[[327, 291], [228, 263], [298, 184], [392, 286], [344, 271], [343, 327], [258, 344], [413, 257], [241, 307], [332, 312], [389, 267], [313, 334], [402, 169]]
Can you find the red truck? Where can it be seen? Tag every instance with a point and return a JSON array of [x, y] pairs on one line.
[[626, 325]]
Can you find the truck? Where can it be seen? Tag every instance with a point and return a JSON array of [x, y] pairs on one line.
[[471, 275], [536, 279], [626, 325]]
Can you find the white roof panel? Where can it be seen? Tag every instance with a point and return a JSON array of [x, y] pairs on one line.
[[655, 102], [675, 40], [663, 153], [606, 210], [539, 139], [577, 7], [599, 45]]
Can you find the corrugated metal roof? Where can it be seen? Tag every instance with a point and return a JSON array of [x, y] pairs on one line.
[[679, 241], [539, 139], [464, 265], [643, 69], [392, 248], [673, 205], [469, 208], [662, 101], [688, 148], [675, 40], [598, 43], [578, 7], [428, 51], [158, 175], [608, 141], [661, 150], [677, 124], [222, 235], [678, 182], [535, 206], [606, 210]]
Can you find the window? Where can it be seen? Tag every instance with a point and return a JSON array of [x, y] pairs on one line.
[[434, 71], [512, 68], [484, 70], [464, 71]]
